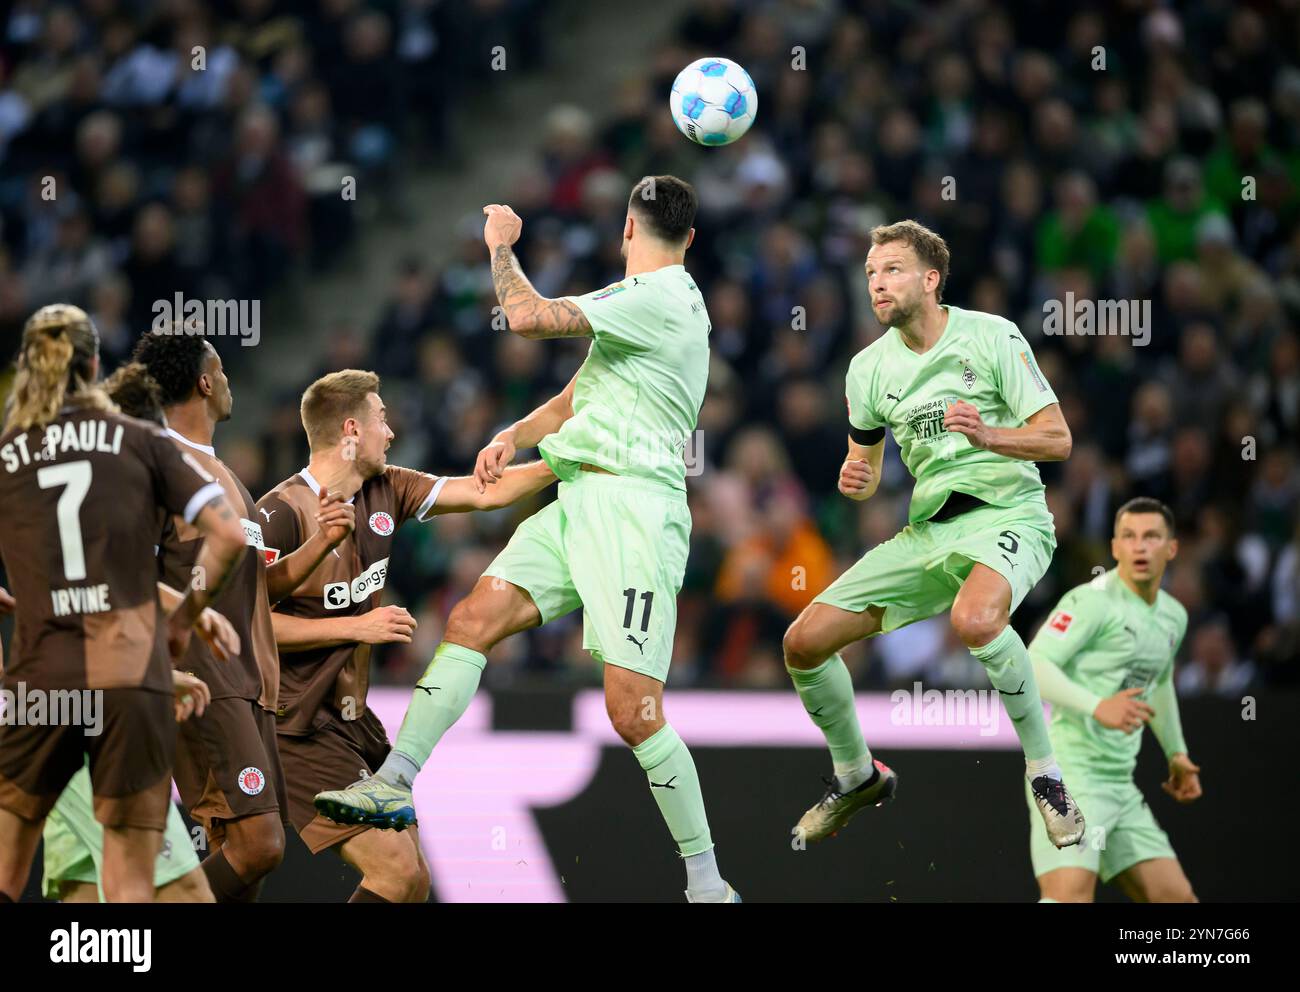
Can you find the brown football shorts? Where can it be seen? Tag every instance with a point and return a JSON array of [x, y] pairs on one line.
[[228, 765], [131, 755], [332, 757]]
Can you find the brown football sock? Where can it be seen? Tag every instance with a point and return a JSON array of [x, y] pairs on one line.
[[226, 884]]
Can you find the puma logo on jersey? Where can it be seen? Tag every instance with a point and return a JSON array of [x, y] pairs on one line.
[[640, 645], [892, 397], [263, 511]]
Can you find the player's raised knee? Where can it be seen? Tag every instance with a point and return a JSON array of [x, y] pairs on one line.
[[798, 648], [977, 625]]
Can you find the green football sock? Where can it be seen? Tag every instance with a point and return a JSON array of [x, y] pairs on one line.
[[827, 694], [1006, 659], [439, 699], [676, 788]]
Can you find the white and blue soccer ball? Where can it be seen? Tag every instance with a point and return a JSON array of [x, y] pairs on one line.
[[713, 101]]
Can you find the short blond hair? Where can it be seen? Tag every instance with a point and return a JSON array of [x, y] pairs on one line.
[[930, 248], [332, 399]]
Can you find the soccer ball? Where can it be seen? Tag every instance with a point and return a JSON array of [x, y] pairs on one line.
[[713, 101]]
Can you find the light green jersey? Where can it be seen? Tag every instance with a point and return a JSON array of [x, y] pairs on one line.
[[639, 392], [980, 358], [1105, 638]]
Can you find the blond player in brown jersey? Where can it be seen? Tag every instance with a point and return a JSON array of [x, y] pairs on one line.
[[326, 628]]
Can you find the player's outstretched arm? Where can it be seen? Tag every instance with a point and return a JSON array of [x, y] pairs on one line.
[[336, 519], [860, 473], [527, 312], [464, 493], [525, 433], [1045, 437]]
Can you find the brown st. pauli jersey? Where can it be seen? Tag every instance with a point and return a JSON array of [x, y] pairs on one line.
[[320, 682], [79, 519], [255, 674]]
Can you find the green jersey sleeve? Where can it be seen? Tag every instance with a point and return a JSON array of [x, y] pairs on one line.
[[1023, 386], [1075, 621], [626, 316], [857, 395]]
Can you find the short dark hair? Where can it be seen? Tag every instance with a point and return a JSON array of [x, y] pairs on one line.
[[135, 392], [174, 360], [930, 248], [1146, 504], [667, 205]]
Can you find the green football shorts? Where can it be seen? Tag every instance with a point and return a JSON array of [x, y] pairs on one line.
[[917, 573], [74, 842], [1121, 831], [616, 547]]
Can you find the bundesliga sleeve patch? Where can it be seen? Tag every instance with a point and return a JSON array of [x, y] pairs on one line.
[[1060, 623], [1033, 372], [609, 291]]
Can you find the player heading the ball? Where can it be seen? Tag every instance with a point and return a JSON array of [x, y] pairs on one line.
[[615, 540]]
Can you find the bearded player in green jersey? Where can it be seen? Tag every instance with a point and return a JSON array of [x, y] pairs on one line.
[[1105, 661], [971, 413], [615, 540]]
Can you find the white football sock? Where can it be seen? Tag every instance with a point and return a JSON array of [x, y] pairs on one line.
[[849, 775], [1042, 766]]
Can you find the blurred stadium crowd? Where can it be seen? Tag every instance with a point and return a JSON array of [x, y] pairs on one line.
[[1047, 173]]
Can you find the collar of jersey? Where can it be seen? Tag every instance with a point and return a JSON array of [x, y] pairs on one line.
[[942, 342], [310, 479], [207, 449], [1128, 593]]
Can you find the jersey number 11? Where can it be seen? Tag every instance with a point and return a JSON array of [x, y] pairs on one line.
[[649, 597]]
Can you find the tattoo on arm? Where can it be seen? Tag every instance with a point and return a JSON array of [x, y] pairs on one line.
[[525, 307]]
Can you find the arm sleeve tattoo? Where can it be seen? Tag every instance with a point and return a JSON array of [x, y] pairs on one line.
[[530, 314]]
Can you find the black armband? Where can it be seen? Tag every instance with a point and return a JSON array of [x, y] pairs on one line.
[[866, 438]]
